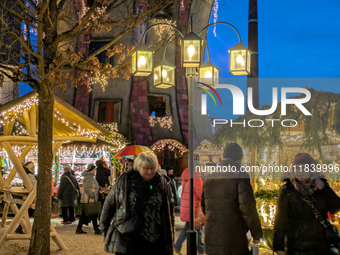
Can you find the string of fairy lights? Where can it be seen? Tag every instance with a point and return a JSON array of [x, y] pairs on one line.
[[160, 29], [170, 144], [164, 122]]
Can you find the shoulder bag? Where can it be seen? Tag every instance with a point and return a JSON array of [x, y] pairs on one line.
[[332, 232], [92, 208], [73, 186]]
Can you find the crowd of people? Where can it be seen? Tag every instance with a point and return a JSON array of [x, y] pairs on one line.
[[137, 215]]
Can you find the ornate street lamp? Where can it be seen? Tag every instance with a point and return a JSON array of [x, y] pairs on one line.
[[142, 61], [209, 73], [164, 75], [239, 60], [191, 50]]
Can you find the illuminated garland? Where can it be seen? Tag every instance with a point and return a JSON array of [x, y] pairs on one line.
[[164, 122], [206, 145], [161, 28], [100, 78], [113, 127], [215, 8], [170, 144]]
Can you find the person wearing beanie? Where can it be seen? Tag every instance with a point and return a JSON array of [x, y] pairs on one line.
[[67, 195], [29, 169], [229, 206], [297, 230]]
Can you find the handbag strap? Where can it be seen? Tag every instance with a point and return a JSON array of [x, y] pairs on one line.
[[316, 212], [71, 183]]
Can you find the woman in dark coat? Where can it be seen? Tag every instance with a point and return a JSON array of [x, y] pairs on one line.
[[67, 195], [138, 216], [295, 220]]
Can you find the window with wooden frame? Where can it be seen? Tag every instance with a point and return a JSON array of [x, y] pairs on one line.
[[159, 105], [107, 111]]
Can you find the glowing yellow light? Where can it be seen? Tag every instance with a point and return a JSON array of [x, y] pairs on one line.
[[240, 60], [191, 51], [142, 61], [156, 77], [164, 73], [208, 74]]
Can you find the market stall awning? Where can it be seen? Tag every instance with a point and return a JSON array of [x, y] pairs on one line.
[[20, 121]]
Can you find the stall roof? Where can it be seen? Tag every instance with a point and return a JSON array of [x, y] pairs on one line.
[[69, 124]]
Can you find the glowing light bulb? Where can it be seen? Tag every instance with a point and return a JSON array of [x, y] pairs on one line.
[[164, 73], [240, 60], [156, 77], [208, 74], [191, 51], [142, 61]]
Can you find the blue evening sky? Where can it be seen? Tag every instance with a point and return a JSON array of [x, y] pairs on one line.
[[297, 39]]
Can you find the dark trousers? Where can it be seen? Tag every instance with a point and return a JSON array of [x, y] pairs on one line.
[[82, 221], [67, 213]]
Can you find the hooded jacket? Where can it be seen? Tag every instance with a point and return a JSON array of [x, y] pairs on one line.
[[198, 188], [90, 188], [230, 209], [116, 211]]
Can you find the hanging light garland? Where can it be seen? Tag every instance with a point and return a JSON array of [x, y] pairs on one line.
[[171, 144], [206, 145], [164, 122], [162, 28]]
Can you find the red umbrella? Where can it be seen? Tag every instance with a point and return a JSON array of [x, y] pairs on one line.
[[132, 150]]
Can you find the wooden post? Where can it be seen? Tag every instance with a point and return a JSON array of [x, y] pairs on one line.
[[7, 146], [13, 171], [33, 121], [26, 117], [19, 216], [56, 238], [4, 215]]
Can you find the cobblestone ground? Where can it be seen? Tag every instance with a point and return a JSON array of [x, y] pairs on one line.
[[86, 244]]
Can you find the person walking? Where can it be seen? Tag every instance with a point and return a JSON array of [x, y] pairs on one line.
[[304, 201], [102, 175], [170, 174], [138, 214], [89, 195], [67, 195], [185, 209], [229, 206]]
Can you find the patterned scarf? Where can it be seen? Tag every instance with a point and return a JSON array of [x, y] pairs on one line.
[[306, 188]]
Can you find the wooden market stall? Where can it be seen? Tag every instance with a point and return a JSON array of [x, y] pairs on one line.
[[20, 128]]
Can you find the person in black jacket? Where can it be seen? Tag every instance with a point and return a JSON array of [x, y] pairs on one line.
[[102, 175], [229, 206], [170, 174], [138, 216], [67, 195], [296, 230]]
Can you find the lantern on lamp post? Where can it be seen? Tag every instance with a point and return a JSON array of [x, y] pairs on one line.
[[239, 61], [142, 61], [191, 50], [209, 73], [164, 75]]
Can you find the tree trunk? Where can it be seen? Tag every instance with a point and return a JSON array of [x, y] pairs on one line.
[[40, 240]]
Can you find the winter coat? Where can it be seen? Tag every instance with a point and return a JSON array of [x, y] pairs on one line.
[[198, 188], [295, 221], [102, 176], [67, 195], [116, 211], [90, 188], [230, 209], [173, 188], [32, 178]]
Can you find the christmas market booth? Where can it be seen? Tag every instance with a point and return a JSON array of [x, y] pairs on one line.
[[20, 137], [276, 146]]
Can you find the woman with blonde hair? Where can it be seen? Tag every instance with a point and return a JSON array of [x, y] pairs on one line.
[[138, 216]]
